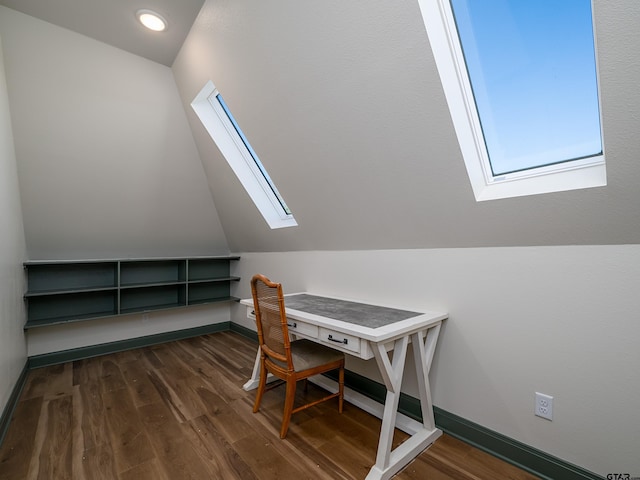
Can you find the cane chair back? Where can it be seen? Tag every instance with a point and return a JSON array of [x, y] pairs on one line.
[[280, 356], [271, 319]]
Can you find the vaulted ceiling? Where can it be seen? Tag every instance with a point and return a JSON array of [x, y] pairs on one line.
[[344, 105], [114, 22]]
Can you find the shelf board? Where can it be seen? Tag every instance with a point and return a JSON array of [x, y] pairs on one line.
[[127, 286], [127, 260], [67, 319], [213, 280], [213, 300], [65, 291], [150, 308]]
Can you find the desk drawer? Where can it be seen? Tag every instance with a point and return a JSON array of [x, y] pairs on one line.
[[296, 326], [339, 340]]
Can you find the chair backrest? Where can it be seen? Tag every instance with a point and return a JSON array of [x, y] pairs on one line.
[[271, 319]]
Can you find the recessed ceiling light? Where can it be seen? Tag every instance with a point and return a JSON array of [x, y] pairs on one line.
[[151, 20]]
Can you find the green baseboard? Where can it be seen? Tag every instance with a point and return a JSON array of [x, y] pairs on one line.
[[244, 331], [516, 453], [523, 456], [71, 355], [12, 402]]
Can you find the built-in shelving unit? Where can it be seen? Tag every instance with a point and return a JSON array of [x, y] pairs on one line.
[[78, 290]]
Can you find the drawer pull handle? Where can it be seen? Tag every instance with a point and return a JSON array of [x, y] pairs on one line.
[[293, 325], [344, 340]]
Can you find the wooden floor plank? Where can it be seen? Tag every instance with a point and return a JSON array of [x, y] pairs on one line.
[[18, 445], [129, 437], [266, 460], [355, 458], [150, 470], [111, 378], [137, 376], [49, 382], [89, 414], [96, 463], [87, 370], [213, 448], [173, 448], [228, 421], [52, 455], [178, 411]]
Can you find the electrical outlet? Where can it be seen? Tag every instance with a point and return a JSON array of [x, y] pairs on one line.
[[544, 406]]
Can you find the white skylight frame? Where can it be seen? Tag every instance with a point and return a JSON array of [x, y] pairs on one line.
[[241, 158], [445, 44]]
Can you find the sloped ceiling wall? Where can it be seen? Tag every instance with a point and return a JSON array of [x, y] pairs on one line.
[[106, 161], [343, 104]]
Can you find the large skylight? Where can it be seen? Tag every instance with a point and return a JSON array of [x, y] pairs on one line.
[[520, 79], [236, 149]]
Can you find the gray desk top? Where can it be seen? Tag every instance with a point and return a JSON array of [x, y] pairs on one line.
[[362, 314]]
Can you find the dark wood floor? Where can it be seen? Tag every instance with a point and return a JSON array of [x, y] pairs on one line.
[[177, 411]]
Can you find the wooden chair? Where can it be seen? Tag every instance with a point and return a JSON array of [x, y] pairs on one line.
[[287, 360]]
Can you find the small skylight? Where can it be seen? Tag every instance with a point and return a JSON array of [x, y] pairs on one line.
[[216, 117], [520, 79]]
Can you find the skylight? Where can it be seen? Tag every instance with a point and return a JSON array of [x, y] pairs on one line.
[[520, 79], [236, 149]]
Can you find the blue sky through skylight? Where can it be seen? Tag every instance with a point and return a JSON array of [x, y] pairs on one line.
[[533, 73], [254, 155]]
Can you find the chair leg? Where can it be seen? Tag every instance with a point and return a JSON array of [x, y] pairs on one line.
[[261, 387], [288, 405], [341, 388]]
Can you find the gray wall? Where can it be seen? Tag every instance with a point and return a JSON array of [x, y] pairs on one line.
[[106, 160], [13, 350], [556, 320], [343, 104], [107, 168]]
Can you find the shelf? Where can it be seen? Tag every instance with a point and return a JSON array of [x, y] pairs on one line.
[[224, 279], [78, 290], [149, 271], [129, 286], [45, 277], [152, 298], [214, 300], [59, 308], [207, 268], [149, 308], [207, 291], [69, 319], [43, 293]]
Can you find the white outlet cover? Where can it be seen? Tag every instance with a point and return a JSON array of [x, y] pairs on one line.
[[544, 406]]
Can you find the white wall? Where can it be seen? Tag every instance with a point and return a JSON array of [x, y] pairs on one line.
[[107, 163], [13, 350], [108, 169], [58, 338], [557, 320], [343, 103]]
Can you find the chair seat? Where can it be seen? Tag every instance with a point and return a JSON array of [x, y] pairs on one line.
[[307, 354]]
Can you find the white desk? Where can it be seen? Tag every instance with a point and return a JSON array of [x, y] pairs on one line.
[[371, 331]]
